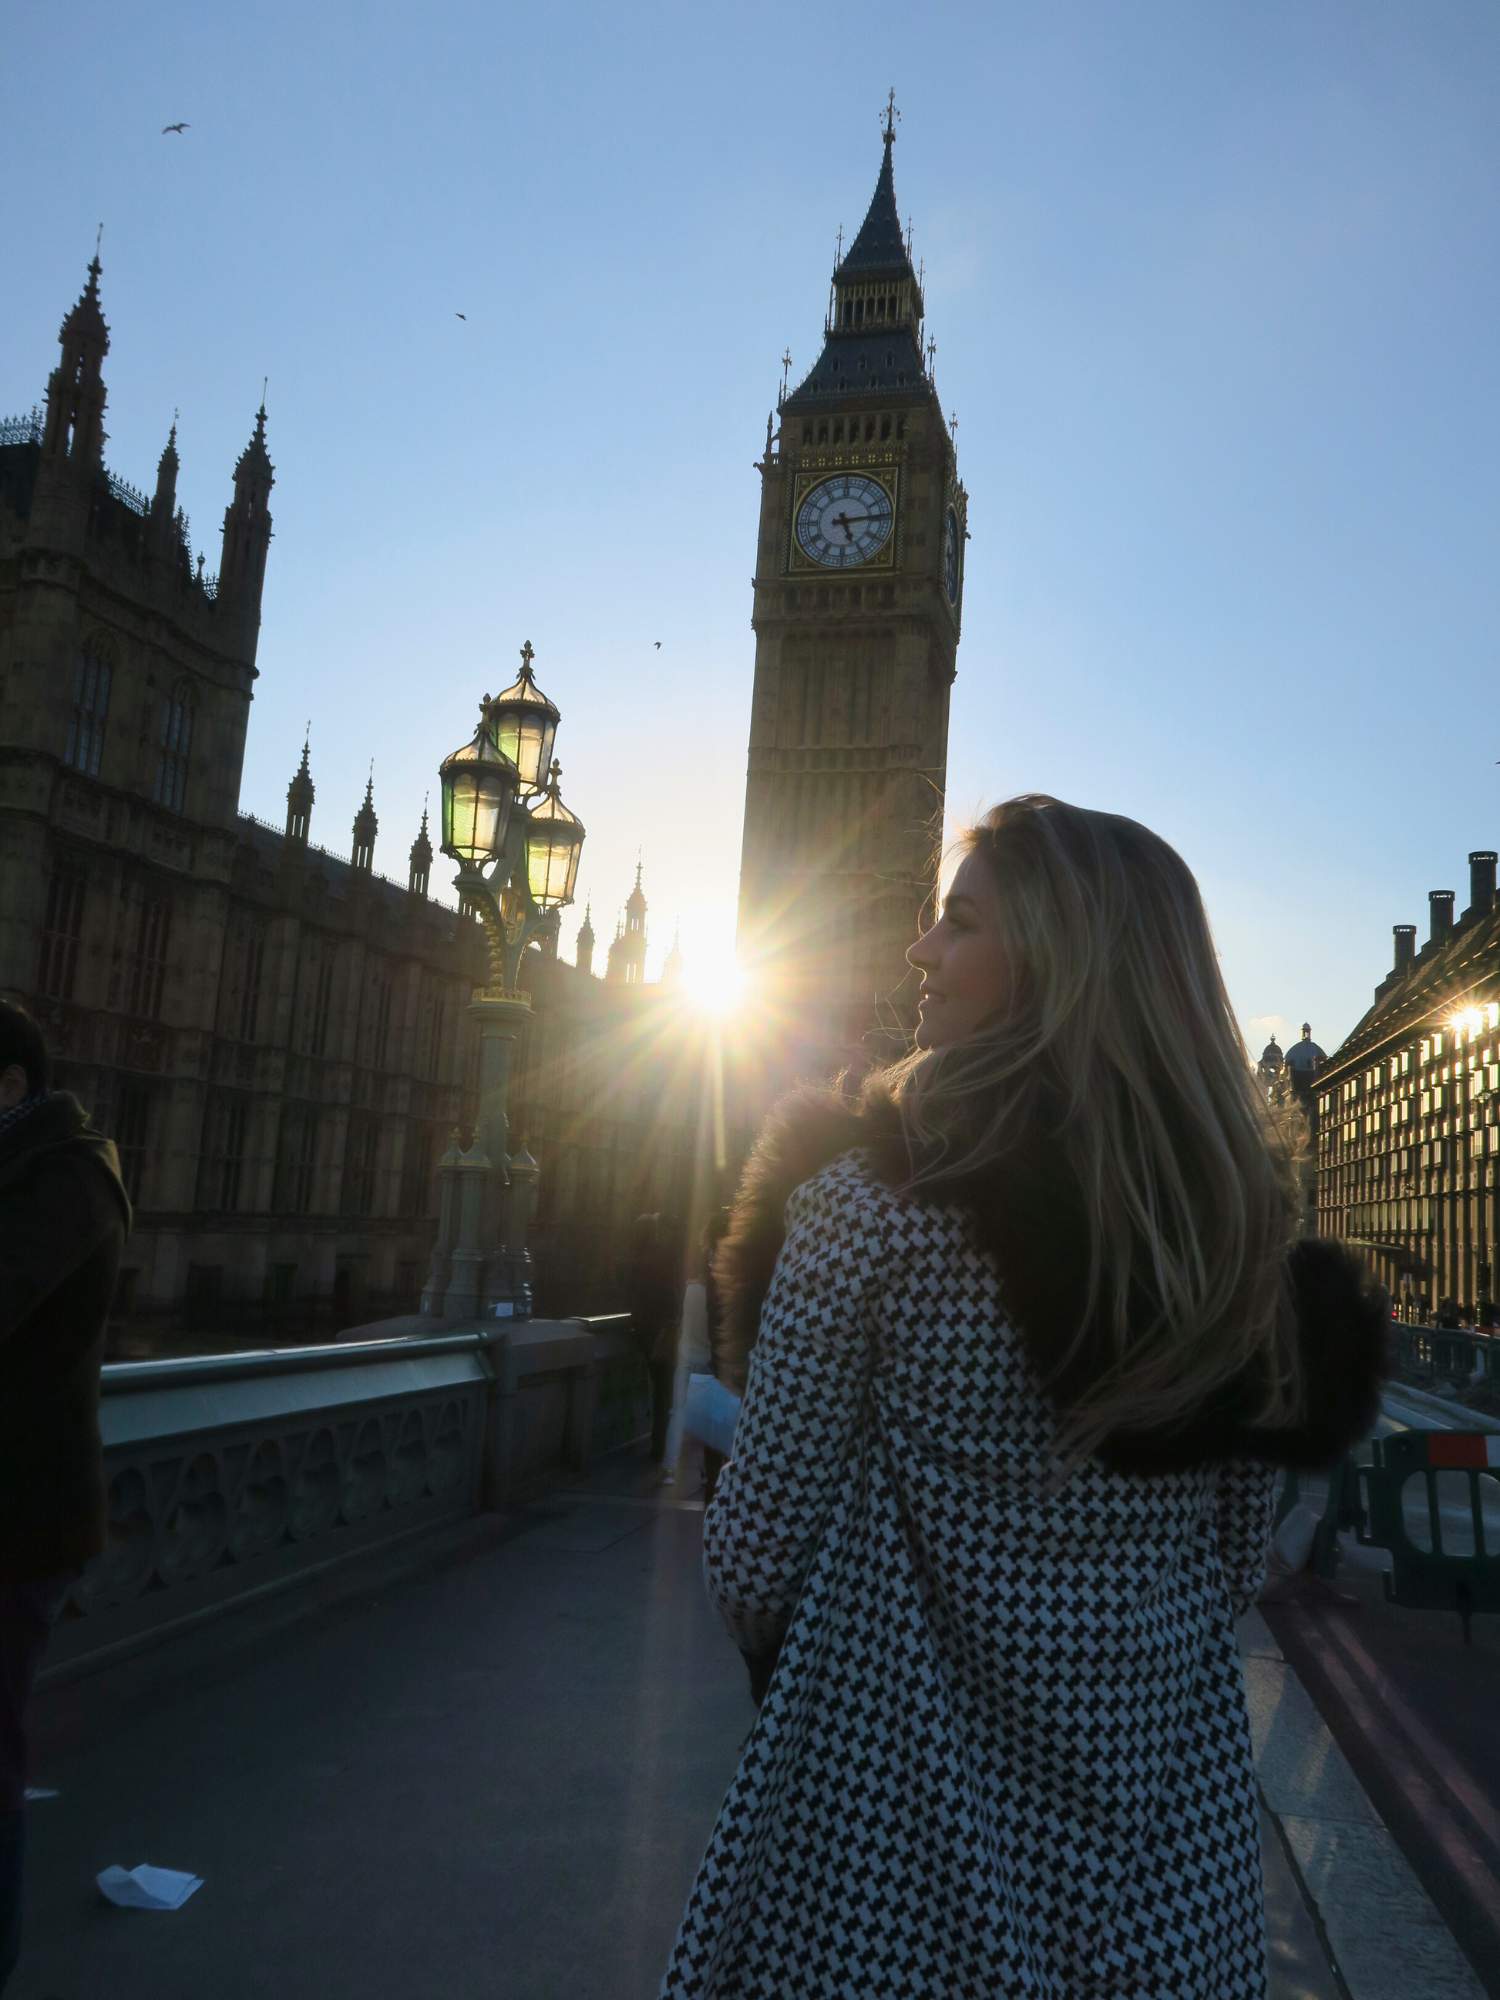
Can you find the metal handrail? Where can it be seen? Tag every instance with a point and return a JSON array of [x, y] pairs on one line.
[[123, 1377], [118, 1377]]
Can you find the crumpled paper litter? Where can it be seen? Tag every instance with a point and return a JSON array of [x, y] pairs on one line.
[[147, 1888]]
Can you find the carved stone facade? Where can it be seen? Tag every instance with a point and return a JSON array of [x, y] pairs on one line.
[[271, 1034], [276, 1037], [227, 1479], [858, 593]]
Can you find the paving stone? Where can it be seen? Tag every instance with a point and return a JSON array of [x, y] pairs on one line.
[[1301, 1768], [1387, 1939]]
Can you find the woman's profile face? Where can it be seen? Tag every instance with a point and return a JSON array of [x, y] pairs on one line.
[[960, 959]]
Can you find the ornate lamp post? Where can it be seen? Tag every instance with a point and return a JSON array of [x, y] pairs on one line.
[[517, 848]]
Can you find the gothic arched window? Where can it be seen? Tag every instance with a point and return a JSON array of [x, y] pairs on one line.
[[91, 682], [173, 746]]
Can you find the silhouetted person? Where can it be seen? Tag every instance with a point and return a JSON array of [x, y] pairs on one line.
[[64, 1218], [651, 1299], [698, 1343]]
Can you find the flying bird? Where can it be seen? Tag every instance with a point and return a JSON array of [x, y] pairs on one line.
[[658, 648], [182, 127], [462, 316]]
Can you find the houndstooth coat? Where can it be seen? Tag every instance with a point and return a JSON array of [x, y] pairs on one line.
[[1004, 1751]]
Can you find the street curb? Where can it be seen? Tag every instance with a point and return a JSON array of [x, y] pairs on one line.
[[1386, 1937]]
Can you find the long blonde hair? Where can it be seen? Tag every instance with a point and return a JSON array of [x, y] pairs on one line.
[[1114, 1041]]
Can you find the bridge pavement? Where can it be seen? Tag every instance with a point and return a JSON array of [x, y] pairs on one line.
[[489, 1771]]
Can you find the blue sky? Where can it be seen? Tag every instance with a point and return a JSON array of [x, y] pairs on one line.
[[1215, 291]]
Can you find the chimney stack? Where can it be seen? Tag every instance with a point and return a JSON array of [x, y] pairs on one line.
[[1481, 881], [1440, 902], [1406, 946]]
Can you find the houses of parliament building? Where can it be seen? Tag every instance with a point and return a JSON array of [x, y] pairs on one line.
[[273, 1034]]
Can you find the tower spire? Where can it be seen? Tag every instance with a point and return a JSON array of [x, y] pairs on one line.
[[164, 500], [873, 339], [421, 858], [247, 533], [583, 949], [671, 971], [366, 826], [300, 794], [75, 389]]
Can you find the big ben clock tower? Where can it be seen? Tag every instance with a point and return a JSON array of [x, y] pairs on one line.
[[858, 593]]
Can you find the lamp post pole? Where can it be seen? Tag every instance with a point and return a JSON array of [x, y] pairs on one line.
[[517, 847]]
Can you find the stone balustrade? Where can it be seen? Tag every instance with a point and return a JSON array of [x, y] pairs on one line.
[[231, 1476]]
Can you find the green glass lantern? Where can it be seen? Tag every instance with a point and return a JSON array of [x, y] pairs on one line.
[[554, 838], [523, 723], [479, 786]]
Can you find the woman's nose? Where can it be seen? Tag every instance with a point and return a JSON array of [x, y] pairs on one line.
[[920, 954]]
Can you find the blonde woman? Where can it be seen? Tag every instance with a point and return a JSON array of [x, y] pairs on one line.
[[1034, 1330]]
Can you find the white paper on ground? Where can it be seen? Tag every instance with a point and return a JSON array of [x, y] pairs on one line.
[[147, 1888]]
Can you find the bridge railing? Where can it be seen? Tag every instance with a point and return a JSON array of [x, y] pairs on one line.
[[233, 1476], [1456, 1354]]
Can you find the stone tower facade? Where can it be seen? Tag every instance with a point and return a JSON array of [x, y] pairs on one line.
[[858, 596], [269, 1032], [627, 955]]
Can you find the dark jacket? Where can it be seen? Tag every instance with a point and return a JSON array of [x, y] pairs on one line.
[[64, 1218], [1029, 1220], [653, 1299]]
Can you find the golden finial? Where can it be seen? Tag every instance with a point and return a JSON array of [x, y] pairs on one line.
[[527, 656]]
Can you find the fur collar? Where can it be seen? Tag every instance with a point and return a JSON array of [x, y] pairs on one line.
[[1028, 1219]]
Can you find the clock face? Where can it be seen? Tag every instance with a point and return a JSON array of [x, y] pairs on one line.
[[951, 540], [845, 520]]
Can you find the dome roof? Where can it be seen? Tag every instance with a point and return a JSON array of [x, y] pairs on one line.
[[1306, 1054], [1270, 1055]]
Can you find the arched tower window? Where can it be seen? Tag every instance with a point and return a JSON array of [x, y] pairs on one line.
[[91, 684], [174, 744]]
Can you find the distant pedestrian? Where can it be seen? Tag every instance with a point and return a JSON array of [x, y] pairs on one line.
[[652, 1279], [1033, 1329], [63, 1222], [698, 1344]]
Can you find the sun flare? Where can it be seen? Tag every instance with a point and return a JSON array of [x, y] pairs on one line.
[[713, 982]]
